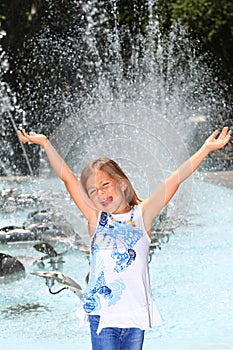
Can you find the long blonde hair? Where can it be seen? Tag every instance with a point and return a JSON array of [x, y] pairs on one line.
[[110, 167]]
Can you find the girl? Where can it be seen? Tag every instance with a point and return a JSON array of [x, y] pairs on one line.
[[118, 300]]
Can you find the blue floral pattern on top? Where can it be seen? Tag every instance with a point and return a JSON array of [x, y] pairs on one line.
[[120, 240], [91, 297]]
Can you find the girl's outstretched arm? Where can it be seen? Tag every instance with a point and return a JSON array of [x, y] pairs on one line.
[[155, 203], [63, 171]]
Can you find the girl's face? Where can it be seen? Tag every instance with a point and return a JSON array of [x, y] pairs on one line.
[[107, 193]]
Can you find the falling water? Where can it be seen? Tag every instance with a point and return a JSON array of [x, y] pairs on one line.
[[98, 68], [6, 107]]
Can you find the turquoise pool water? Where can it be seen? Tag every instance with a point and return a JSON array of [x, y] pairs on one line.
[[191, 278]]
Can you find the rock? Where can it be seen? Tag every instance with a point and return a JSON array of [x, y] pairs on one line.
[[16, 235], [11, 269]]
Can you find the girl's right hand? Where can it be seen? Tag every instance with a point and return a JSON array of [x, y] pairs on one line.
[[38, 139]]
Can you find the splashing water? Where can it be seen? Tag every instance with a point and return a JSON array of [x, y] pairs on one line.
[[99, 66], [141, 114], [8, 101]]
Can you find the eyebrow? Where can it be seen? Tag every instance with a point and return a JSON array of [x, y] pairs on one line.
[[101, 182]]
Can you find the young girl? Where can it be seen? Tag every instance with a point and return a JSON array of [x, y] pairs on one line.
[[118, 300]]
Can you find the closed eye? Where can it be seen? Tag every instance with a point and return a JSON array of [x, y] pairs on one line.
[[92, 192]]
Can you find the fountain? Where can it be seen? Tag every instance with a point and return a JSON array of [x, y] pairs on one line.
[[143, 115], [7, 102]]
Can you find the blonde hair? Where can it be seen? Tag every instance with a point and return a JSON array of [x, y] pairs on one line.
[[110, 167]]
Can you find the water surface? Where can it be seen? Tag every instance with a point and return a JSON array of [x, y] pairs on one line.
[[191, 278]]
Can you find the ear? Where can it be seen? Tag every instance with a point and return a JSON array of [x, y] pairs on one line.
[[123, 185]]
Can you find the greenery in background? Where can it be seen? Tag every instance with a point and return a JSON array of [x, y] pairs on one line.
[[210, 22]]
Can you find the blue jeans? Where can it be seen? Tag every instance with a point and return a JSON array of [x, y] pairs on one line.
[[112, 338]]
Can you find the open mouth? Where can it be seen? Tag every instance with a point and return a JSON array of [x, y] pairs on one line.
[[105, 202]]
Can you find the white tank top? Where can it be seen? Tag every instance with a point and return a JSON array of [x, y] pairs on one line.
[[119, 286]]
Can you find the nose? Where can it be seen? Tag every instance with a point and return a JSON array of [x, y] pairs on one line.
[[100, 191]]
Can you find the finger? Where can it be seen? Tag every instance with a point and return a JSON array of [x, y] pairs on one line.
[[214, 135], [21, 136], [20, 133], [223, 133], [24, 136], [224, 140], [24, 132], [28, 135], [228, 136]]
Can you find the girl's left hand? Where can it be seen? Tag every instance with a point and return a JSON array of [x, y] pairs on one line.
[[213, 142]]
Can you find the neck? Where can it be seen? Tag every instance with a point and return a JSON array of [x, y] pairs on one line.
[[123, 210]]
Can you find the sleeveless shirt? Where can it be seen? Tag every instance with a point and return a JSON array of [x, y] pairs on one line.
[[119, 288]]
